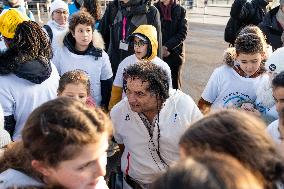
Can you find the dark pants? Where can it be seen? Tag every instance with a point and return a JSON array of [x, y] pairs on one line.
[[175, 63]]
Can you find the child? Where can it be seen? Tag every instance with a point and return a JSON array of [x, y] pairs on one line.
[[240, 135], [27, 76], [144, 41], [232, 85], [64, 144], [208, 171], [75, 84], [78, 52], [276, 128]]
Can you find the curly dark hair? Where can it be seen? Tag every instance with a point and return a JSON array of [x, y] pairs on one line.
[[156, 76], [31, 42], [74, 77], [93, 7], [81, 17], [249, 43], [278, 80]]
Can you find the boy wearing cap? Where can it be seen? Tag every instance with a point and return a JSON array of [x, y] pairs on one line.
[[27, 76], [58, 22], [145, 44]]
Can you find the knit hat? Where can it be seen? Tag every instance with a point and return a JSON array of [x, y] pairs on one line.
[[4, 135], [58, 4], [9, 22]]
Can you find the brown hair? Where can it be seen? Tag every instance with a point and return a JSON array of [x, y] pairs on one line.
[[81, 17], [208, 171], [249, 43], [93, 7], [240, 135], [56, 132], [74, 77]]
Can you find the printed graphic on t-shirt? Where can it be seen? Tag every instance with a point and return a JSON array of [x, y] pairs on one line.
[[236, 99]]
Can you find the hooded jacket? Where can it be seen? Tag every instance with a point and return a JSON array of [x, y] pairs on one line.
[[174, 32], [150, 33], [272, 29], [24, 86], [137, 12]]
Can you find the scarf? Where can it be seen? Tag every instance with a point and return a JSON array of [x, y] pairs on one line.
[[166, 11], [280, 17], [57, 26]]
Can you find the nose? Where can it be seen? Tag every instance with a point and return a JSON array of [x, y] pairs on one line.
[[100, 167], [131, 98]]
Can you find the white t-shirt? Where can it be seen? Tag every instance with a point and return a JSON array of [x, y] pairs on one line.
[[19, 97], [226, 88], [132, 59], [178, 112], [97, 68], [272, 129]]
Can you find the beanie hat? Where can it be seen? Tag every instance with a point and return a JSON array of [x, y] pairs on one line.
[[4, 135], [9, 22], [58, 4]]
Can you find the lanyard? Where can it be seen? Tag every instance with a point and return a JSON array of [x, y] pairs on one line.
[[123, 28]]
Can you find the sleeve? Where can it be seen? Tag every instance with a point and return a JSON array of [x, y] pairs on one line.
[[118, 81], [106, 71], [195, 113], [56, 60], [157, 24], [116, 95], [106, 92], [8, 105], [116, 125], [104, 26], [211, 91], [180, 36]]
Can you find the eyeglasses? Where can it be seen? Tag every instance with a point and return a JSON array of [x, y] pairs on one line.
[[139, 43], [61, 12]]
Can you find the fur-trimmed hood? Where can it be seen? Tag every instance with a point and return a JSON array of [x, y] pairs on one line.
[[66, 39]]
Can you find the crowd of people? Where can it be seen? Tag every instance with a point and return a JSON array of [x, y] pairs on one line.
[[88, 89]]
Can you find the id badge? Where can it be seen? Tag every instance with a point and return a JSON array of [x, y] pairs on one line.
[[123, 45]]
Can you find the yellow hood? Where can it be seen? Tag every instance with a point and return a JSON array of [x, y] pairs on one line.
[[150, 32]]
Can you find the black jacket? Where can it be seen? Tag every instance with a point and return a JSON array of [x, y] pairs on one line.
[[111, 27], [174, 33], [272, 29], [253, 12]]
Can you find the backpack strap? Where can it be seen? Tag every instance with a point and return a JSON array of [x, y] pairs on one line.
[[49, 31]]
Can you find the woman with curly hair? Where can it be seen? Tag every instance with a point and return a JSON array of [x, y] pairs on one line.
[[27, 76]]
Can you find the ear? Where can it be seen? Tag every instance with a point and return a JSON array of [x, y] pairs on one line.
[[41, 167], [73, 33]]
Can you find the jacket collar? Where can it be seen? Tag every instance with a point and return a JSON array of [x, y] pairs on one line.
[[69, 42]]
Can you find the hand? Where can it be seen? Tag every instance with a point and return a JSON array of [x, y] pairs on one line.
[[165, 51]]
